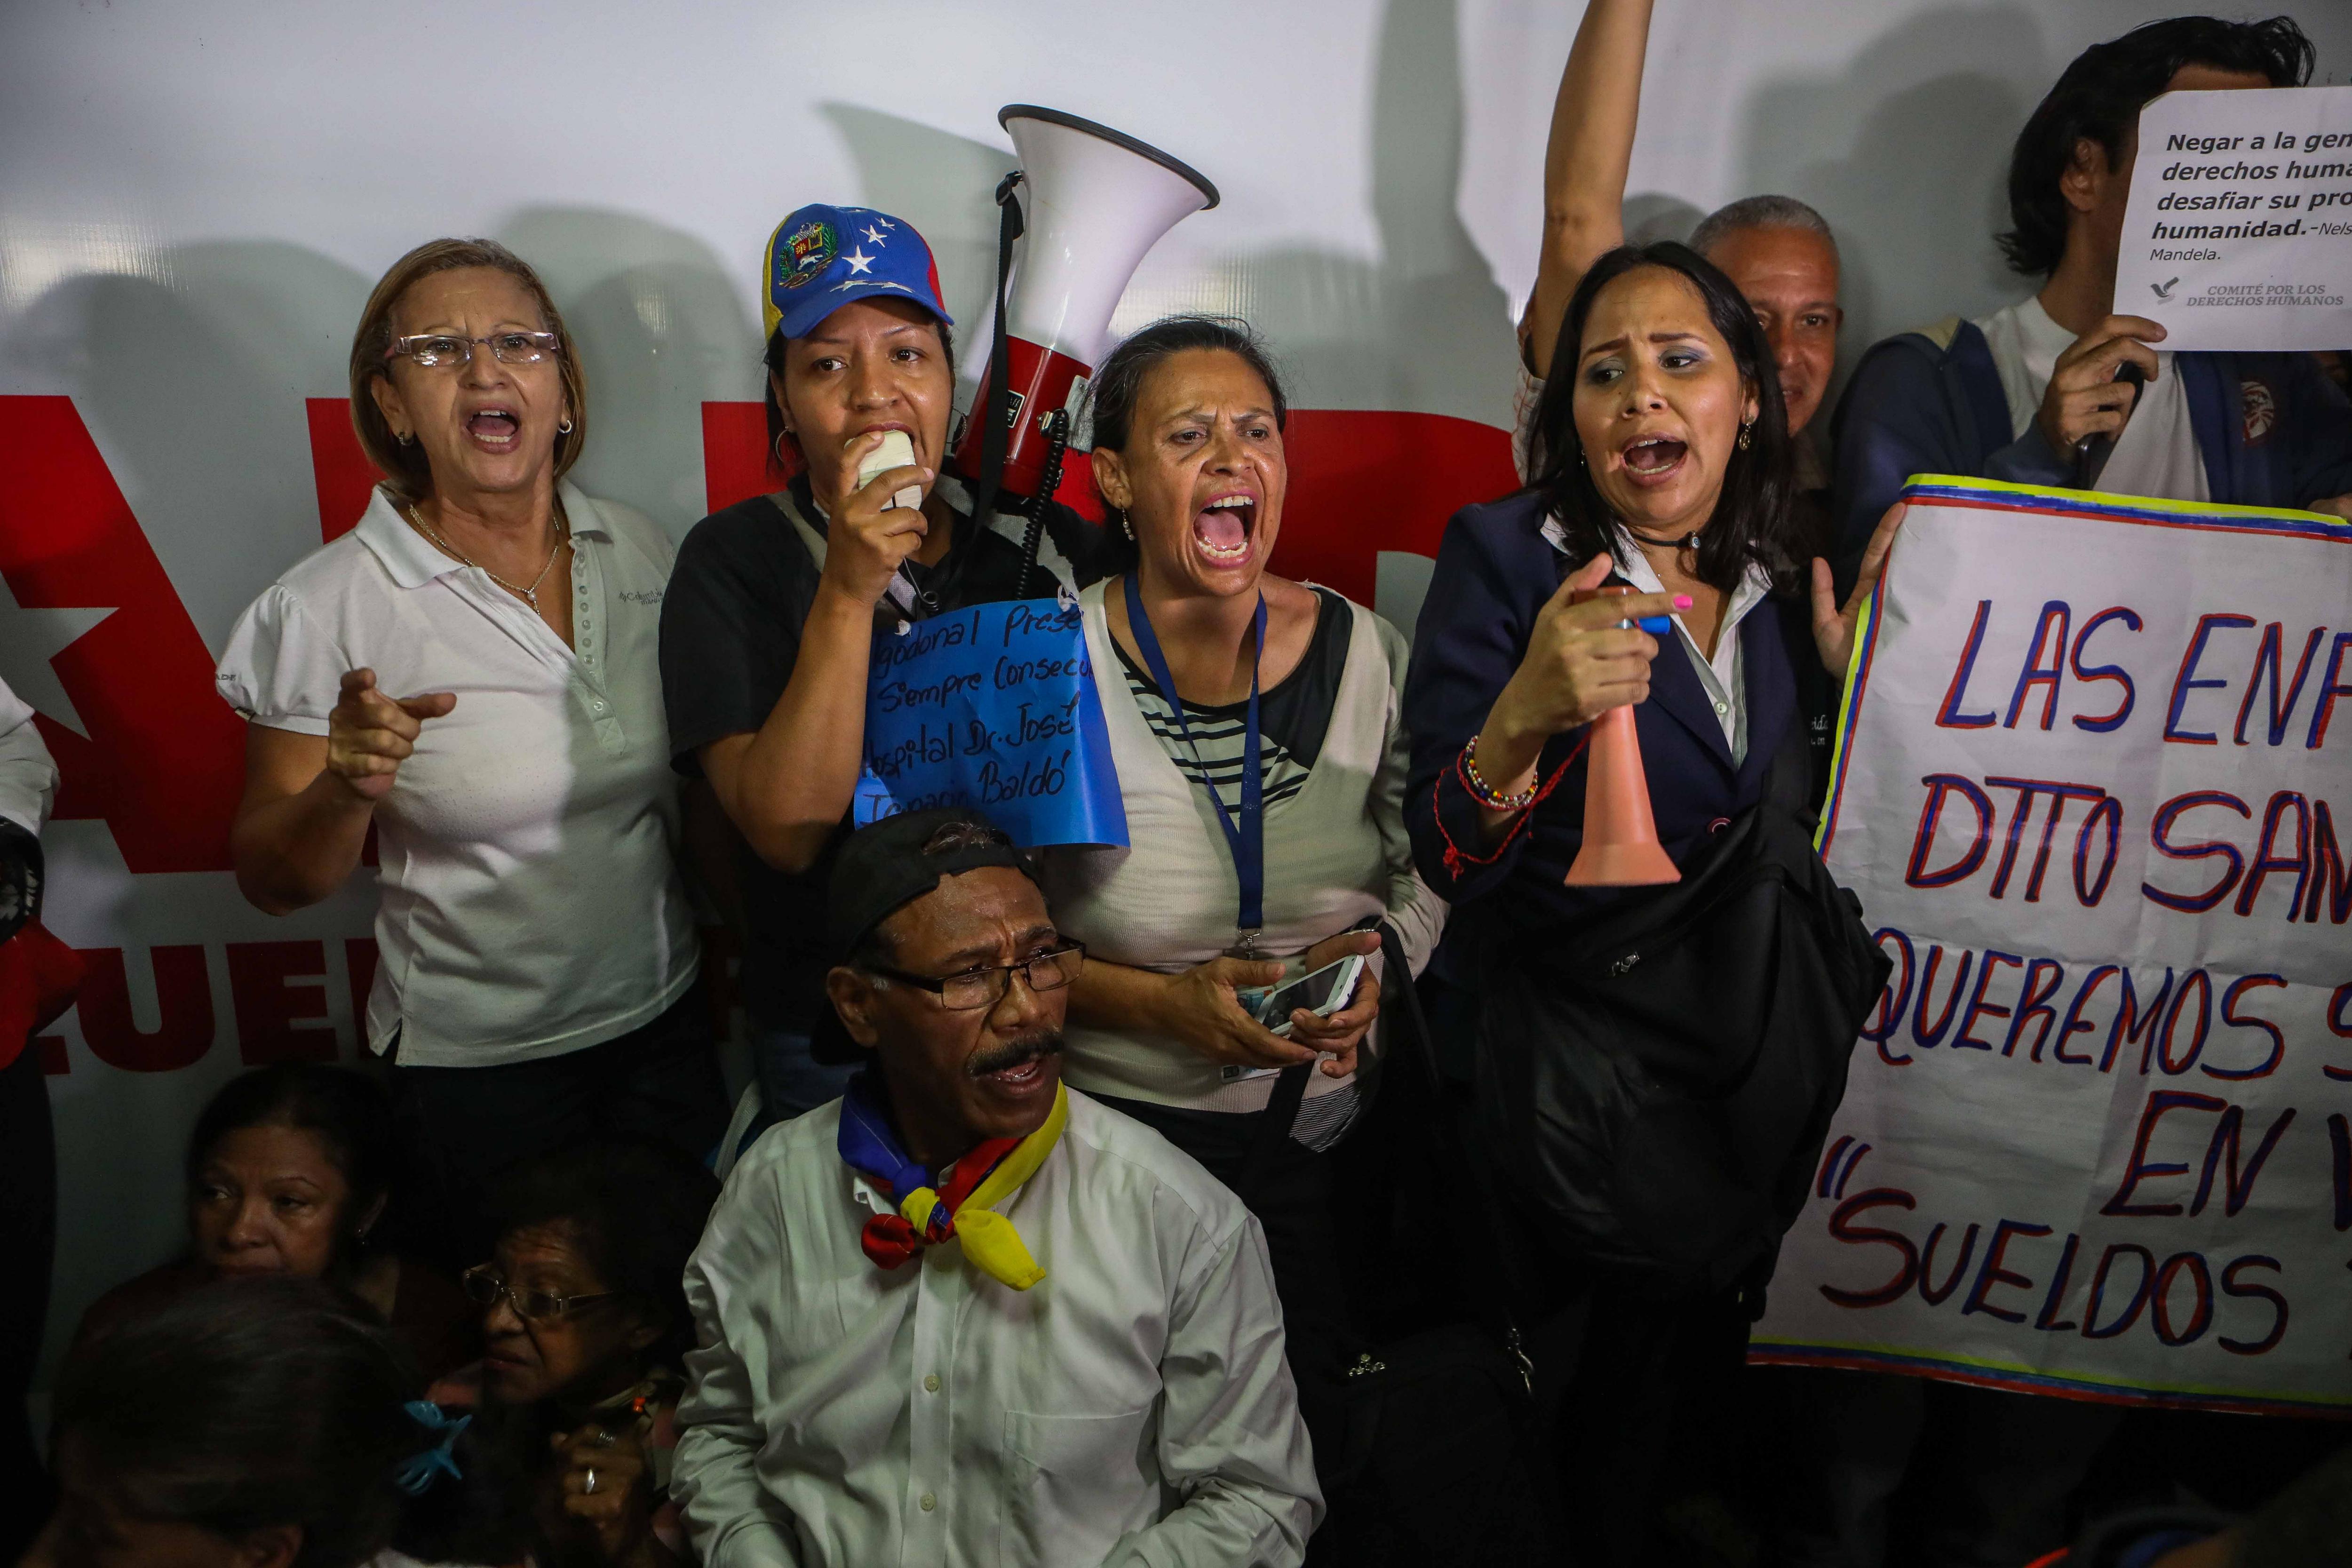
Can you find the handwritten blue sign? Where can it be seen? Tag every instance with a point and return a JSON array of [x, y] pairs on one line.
[[993, 707]]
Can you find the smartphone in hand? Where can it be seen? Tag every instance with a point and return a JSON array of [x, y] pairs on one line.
[[1322, 993]]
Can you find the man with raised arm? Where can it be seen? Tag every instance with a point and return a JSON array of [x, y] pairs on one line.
[[2027, 394], [963, 1314], [1778, 251], [2042, 391]]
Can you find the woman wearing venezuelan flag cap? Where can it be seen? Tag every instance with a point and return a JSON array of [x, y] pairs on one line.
[[772, 611]]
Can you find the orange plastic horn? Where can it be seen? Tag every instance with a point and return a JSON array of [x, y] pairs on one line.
[[1621, 837]]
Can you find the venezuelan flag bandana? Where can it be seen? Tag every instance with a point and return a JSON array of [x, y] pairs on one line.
[[993, 1172]]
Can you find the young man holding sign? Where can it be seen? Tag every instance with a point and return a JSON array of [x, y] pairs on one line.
[[2059, 389]]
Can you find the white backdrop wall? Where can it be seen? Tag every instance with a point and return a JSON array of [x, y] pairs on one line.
[[195, 196]]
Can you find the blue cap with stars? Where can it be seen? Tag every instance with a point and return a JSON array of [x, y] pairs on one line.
[[822, 258]]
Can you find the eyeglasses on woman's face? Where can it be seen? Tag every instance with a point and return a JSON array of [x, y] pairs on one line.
[[984, 985], [487, 1286], [435, 350]]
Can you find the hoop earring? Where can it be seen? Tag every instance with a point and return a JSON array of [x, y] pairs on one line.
[[776, 449], [1743, 436], [564, 428]]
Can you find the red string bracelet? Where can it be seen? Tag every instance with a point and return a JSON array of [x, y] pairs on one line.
[[1456, 857]]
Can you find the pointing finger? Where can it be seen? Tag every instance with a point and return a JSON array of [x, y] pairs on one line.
[[428, 705], [375, 706], [1611, 608]]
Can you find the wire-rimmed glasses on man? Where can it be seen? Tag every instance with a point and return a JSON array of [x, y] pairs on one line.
[[985, 985]]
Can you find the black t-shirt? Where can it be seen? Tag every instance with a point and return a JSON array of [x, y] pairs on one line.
[[730, 632]]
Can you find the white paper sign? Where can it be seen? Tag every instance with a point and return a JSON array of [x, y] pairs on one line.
[[2239, 234], [2094, 787]]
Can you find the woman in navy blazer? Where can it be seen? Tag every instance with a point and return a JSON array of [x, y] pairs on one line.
[[1659, 458]]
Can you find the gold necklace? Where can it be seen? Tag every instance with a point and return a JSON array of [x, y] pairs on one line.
[[528, 596]]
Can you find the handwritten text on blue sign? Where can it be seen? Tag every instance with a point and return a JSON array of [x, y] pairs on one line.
[[993, 707]]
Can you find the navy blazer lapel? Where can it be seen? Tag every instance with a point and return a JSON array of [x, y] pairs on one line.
[[1676, 689], [1766, 647]]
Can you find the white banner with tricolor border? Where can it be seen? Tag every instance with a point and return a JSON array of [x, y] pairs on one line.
[[2094, 786]]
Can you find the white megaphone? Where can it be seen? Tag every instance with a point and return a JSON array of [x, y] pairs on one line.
[[1092, 202]]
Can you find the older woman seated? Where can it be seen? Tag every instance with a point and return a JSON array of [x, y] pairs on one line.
[[584, 1314], [1256, 724], [290, 1171]]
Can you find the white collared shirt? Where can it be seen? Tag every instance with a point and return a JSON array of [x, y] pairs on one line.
[[28, 778], [532, 903], [1725, 692], [1132, 1408]]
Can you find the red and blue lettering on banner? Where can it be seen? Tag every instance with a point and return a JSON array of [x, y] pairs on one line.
[[2092, 788]]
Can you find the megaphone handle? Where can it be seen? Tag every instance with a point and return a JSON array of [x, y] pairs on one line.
[[995, 412]]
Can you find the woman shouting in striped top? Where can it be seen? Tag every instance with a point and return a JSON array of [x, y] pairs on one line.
[[1257, 727]]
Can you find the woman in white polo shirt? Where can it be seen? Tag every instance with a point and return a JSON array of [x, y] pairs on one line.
[[472, 672]]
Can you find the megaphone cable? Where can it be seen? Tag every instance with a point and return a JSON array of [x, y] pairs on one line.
[[995, 415], [1057, 442]]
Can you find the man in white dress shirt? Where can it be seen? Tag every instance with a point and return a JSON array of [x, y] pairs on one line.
[[964, 1315]]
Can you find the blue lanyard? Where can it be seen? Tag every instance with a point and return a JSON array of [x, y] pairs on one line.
[[1246, 838]]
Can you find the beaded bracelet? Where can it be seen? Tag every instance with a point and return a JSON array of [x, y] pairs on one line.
[[1484, 793], [1458, 860]]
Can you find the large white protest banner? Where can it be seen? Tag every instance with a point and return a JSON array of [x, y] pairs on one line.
[[2095, 788], [2239, 230]]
